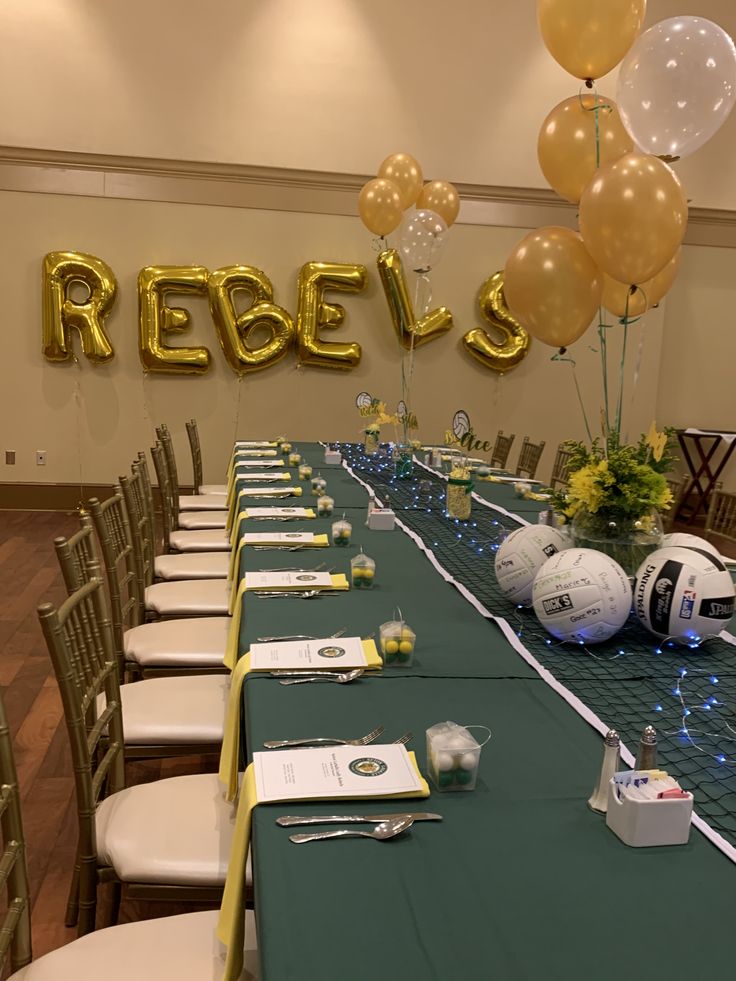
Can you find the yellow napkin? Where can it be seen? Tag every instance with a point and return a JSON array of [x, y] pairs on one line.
[[230, 753], [309, 513], [534, 496], [232, 481], [339, 581], [265, 493], [233, 461], [231, 923], [319, 541]]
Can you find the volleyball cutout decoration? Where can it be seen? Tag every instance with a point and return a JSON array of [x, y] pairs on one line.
[[582, 595], [683, 594], [522, 555], [681, 539]]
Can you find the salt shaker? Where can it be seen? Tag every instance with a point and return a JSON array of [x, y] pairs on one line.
[[598, 800], [646, 758]]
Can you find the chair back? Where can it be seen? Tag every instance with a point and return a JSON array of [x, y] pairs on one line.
[[193, 434], [140, 466], [138, 526], [78, 556], [502, 448], [168, 517], [164, 438], [529, 457], [560, 476], [722, 515], [79, 641], [124, 568], [15, 927]]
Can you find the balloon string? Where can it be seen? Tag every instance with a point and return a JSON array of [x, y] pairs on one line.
[[78, 402], [625, 323], [238, 393], [560, 357], [602, 329], [146, 402], [639, 354]]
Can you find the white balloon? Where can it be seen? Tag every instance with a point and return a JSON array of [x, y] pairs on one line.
[[421, 239], [677, 85]]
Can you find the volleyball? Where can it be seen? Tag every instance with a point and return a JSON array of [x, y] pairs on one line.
[[522, 555], [681, 539], [684, 594], [582, 595]]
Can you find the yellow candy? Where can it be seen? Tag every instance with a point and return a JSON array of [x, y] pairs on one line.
[[368, 573], [391, 647], [406, 647], [358, 571], [297, 492], [406, 634]]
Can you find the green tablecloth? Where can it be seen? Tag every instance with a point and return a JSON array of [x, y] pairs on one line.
[[521, 880]]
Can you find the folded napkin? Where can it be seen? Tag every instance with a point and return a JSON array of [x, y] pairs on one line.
[[238, 460], [339, 581], [230, 753], [259, 492], [231, 923], [277, 539], [244, 444], [269, 512]]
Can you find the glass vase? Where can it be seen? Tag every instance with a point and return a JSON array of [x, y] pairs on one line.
[[403, 461], [626, 540], [459, 500], [370, 443]]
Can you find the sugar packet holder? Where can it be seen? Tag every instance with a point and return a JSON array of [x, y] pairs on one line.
[[640, 821]]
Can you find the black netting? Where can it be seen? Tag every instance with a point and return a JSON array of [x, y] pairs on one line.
[[629, 682]]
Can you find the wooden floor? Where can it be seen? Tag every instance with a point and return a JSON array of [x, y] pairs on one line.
[[29, 575]]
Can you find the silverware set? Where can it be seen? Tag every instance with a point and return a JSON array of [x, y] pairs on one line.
[[387, 825], [268, 640], [293, 593], [305, 678], [296, 568], [329, 741]]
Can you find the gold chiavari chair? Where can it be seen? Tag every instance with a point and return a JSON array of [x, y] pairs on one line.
[[162, 716], [169, 839], [529, 457], [501, 449], [193, 510], [721, 518], [178, 539], [171, 948], [196, 451], [559, 478]]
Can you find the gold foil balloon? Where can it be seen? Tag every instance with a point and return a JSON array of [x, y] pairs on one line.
[[235, 330], [442, 198], [477, 342], [644, 297], [552, 285], [633, 217], [589, 37], [380, 207], [315, 313], [410, 332], [60, 314], [406, 174], [566, 147], [157, 321]]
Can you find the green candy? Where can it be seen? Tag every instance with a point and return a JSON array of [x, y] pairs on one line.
[[444, 778], [463, 776]]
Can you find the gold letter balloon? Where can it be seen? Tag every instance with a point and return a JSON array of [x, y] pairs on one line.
[[553, 285], [235, 330], [589, 37], [60, 314], [411, 332], [479, 345], [157, 321], [315, 313]]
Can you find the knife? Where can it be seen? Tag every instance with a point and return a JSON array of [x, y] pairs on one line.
[[289, 820]]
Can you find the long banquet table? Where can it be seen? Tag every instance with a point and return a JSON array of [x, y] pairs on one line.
[[520, 880]]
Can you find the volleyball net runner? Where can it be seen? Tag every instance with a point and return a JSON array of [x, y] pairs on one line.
[[631, 681]]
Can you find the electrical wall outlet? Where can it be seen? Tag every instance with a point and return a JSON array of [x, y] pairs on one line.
[[10, 458], [40, 458]]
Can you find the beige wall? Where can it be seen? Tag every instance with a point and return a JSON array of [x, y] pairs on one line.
[[329, 85], [117, 406]]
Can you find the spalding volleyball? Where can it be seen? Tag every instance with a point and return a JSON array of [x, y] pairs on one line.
[[681, 539], [522, 555], [683, 594], [582, 595]]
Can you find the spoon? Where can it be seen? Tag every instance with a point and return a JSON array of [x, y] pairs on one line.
[[382, 832], [340, 677]]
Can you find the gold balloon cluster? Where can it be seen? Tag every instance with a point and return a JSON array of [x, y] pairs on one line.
[[398, 186], [632, 208]]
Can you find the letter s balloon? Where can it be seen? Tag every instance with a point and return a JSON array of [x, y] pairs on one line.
[[516, 341]]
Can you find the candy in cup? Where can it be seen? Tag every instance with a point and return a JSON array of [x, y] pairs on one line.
[[319, 485], [295, 459], [397, 641], [341, 531], [362, 571], [453, 756], [325, 504], [305, 471]]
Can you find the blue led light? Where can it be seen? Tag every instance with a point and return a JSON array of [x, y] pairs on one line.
[[658, 708], [721, 758], [713, 680]]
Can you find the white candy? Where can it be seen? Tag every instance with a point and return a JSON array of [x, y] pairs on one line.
[[445, 761], [468, 761]]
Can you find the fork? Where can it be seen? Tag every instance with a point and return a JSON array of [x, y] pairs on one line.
[[271, 640], [339, 677], [324, 741], [403, 740], [295, 568], [294, 593]]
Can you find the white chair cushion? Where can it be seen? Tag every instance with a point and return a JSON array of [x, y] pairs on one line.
[[202, 502], [200, 541], [192, 565], [192, 643], [174, 710], [213, 489], [171, 948], [190, 597], [190, 520], [176, 831]]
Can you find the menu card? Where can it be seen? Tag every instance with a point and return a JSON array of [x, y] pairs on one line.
[[264, 475], [241, 464], [241, 443], [279, 512], [268, 491], [326, 654], [288, 580], [278, 537], [239, 453], [335, 771]]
